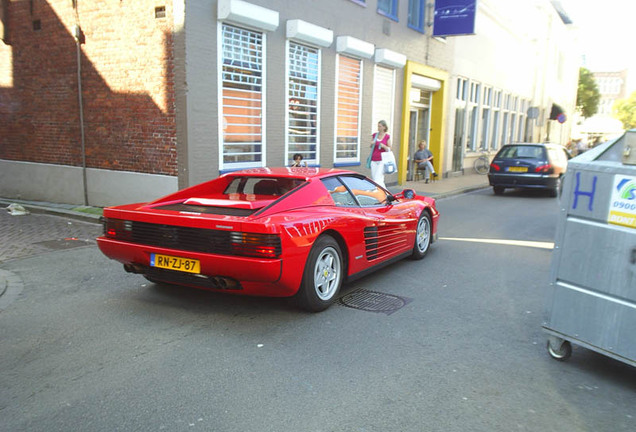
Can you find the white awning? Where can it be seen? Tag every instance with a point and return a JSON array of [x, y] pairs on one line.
[[425, 83], [386, 57], [354, 47], [309, 33], [248, 14]]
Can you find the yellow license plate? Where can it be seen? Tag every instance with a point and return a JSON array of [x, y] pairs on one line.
[[175, 263], [518, 169]]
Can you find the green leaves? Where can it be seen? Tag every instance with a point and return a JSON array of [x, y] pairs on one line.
[[587, 95], [625, 111]]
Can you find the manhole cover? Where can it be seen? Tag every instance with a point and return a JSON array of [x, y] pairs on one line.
[[62, 244], [374, 301]]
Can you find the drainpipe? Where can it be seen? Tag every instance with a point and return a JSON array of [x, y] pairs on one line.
[[77, 34]]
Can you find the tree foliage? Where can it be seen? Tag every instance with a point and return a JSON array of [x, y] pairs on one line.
[[625, 111], [587, 95]]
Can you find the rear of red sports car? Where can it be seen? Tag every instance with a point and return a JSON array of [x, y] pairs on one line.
[[253, 232]]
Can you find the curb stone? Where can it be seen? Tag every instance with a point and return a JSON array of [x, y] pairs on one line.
[[36, 207]]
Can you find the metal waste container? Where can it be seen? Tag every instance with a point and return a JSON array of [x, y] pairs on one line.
[[592, 293]]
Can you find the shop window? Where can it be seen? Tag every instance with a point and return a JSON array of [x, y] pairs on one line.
[[302, 106], [348, 98], [242, 97], [383, 96]]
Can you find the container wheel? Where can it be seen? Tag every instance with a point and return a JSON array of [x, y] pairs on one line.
[[559, 349]]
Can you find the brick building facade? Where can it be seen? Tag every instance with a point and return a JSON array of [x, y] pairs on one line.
[[127, 86]]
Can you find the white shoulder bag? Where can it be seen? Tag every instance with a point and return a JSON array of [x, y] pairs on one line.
[[389, 162]]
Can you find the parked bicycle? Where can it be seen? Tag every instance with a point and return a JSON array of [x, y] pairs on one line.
[[482, 163]]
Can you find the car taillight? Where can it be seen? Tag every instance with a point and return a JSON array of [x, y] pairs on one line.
[[546, 169], [495, 167], [118, 229], [256, 245]]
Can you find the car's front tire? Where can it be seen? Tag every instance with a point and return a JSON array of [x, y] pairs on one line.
[[322, 277], [422, 236]]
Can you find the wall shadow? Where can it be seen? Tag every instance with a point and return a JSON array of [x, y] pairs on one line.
[[124, 128]]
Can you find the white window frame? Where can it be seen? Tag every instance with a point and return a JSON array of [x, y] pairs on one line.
[[473, 112], [521, 119], [486, 109], [461, 103], [497, 118], [505, 118], [223, 120], [288, 96], [345, 161]]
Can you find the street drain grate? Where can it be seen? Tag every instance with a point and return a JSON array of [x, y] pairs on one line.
[[67, 243], [373, 301]]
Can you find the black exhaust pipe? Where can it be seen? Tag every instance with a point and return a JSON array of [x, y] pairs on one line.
[[133, 268]]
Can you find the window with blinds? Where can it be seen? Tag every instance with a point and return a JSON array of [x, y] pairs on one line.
[[302, 106], [383, 96], [348, 97], [242, 96]]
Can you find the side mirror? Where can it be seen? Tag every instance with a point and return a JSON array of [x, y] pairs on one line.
[[405, 194]]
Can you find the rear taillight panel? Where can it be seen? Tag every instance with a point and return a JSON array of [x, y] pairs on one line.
[[117, 229], [544, 169], [256, 245]]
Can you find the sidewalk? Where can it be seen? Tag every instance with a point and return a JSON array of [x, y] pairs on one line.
[[85, 213], [446, 187]]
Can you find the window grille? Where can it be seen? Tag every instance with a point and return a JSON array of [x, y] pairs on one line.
[[242, 90], [348, 98], [302, 106]]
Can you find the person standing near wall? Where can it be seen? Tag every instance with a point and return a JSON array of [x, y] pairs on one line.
[[381, 142]]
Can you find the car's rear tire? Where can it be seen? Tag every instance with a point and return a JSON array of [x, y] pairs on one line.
[[422, 237], [498, 190], [322, 277], [558, 186]]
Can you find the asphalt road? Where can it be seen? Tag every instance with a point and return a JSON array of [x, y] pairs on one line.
[[85, 346]]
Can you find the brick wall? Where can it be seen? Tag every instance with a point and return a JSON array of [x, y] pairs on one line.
[[127, 85]]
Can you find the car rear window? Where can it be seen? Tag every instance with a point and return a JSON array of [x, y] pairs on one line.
[[522, 152], [264, 186]]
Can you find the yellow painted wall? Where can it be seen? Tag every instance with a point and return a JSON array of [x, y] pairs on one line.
[[438, 117]]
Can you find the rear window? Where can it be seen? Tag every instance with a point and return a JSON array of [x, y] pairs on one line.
[[264, 186], [522, 152]]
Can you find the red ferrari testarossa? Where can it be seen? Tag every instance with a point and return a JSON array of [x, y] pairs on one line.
[[271, 232]]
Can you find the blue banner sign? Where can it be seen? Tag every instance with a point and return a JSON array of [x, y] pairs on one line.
[[454, 17]]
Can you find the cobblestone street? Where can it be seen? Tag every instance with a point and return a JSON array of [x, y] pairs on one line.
[[35, 233]]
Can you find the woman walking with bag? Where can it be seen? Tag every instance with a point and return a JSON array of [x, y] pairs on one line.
[[381, 143]]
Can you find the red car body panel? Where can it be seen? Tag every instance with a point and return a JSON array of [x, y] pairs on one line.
[[297, 217]]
